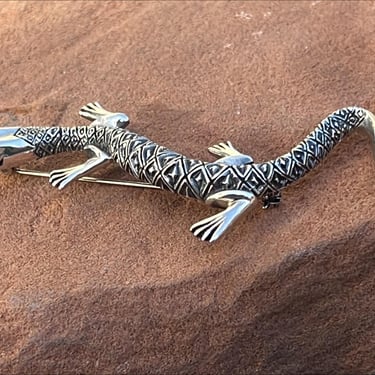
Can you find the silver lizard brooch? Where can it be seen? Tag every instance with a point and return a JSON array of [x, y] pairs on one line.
[[233, 182]]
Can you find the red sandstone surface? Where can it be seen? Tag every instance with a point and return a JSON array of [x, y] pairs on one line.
[[109, 280]]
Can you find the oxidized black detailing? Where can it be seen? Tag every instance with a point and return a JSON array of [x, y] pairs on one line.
[[54, 140], [171, 171], [312, 150]]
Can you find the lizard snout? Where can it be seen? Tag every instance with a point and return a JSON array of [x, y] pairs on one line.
[[14, 150]]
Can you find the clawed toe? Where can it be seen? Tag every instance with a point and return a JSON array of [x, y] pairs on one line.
[[101, 117], [62, 177], [208, 229], [92, 111], [223, 149]]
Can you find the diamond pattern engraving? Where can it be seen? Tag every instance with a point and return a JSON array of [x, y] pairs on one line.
[[159, 166], [310, 152]]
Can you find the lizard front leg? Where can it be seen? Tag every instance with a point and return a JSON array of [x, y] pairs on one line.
[[60, 178], [101, 117]]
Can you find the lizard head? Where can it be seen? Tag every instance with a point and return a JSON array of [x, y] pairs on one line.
[[13, 150]]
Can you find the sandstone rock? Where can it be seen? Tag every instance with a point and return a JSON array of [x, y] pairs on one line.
[[107, 280]]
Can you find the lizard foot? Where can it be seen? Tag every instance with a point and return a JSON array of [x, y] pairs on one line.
[[223, 149], [229, 155], [101, 117], [59, 178], [235, 204]]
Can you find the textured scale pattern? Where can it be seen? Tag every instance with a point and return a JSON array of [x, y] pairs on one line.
[[172, 171], [54, 140], [313, 149]]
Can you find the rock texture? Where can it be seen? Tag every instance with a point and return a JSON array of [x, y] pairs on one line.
[[108, 280]]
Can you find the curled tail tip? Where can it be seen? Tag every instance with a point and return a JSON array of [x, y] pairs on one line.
[[369, 126]]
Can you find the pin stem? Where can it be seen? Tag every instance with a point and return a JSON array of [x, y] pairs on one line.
[[95, 180]]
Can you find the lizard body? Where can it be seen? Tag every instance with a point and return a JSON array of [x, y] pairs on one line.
[[233, 182]]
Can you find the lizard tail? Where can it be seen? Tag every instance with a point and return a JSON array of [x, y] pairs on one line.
[[369, 126], [290, 167]]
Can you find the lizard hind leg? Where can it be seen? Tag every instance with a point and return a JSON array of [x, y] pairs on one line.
[[234, 202]]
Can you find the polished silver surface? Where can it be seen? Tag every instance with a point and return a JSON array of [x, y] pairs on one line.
[[234, 203], [13, 150], [233, 182], [369, 127], [61, 177], [101, 117]]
